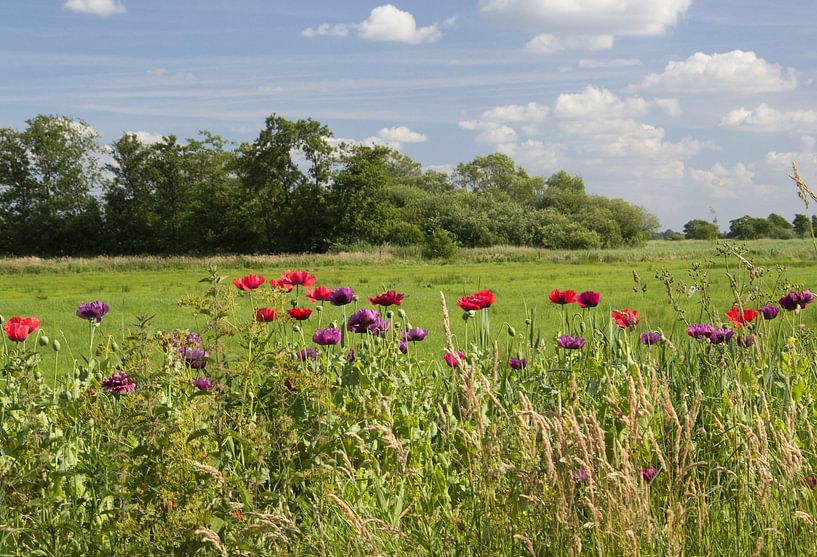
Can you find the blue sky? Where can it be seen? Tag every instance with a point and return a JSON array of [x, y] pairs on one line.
[[687, 107]]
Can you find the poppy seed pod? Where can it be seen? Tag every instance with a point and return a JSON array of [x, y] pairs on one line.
[[319, 309], [296, 329], [511, 331], [293, 303], [401, 313], [55, 344], [43, 340]]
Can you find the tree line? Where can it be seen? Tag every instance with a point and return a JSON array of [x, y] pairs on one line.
[[748, 227], [291, 189]]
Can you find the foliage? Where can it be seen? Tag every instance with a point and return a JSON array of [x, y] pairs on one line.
[[697, 229]]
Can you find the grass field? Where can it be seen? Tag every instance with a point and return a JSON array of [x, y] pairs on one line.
[[519, 277]]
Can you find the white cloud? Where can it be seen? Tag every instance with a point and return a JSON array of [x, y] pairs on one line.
[[102, 8], [499, 134], [548, 44], [401, 134], [767, 119], [736, 71], [394, 138], [532, 154], [147, 138], [806, 159], [531, 112], [326, 30], [671, 106], [158, 72], [613, 63], [729, 183], [594, 103]]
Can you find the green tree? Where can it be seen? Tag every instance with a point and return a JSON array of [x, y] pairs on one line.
[[498, 174], [698, 229], [801, 226]]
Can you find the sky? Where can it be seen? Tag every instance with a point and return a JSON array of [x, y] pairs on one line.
[[690, 108]]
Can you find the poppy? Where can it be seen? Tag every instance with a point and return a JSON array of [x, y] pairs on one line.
[[740, 318], [588, 299], [626, 318], [453, 359], [18, 328], [250, 282], [326, 337], [265, 315], [318, 294], [562, 297], [341, 296], [479, 300], [299, 314], [298, 278], [389, 298], [570, 342], [281, 284]]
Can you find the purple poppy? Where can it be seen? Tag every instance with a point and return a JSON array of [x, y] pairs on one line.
[[119, 383], [768, 312], [93, 311], [202, 383], [194, 356], [326, 337], [453, 359], [700, 330], [720, 336], [306, 354], [402, 347], [651, 337], [746, 341], [517, 363], [379, 327], [580, 476], [415, 334], [588, 299], [570, 343], [648, 474], [796, 300], [360, 320], [350, 357], [341, 296]]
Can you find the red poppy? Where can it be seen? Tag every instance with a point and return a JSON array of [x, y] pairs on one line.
[[626, 318], [265, 315], [479, 300], [740, 318], [299, 313], [389, 298], [250, 282], [562, 297], [18, 328], [301, 278], [282, 284], [318, 294]]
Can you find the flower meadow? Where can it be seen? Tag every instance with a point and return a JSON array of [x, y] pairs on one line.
[[315, 419]]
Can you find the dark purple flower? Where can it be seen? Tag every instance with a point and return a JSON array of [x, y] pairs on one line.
[[402, 347], [588, 299], [360, 320], [720, 336], [570, 343], [194, 356], [700, 330], [306, 354], [415, 334], [580, 476], [118, 382], [93, 311], [746, 341], [326, 337], [202, 383], [651, 337], [341, 296], [648, 474], [769, 312], [379, 327], [794, 300], [350, 357], [453, 359], [517, 363]]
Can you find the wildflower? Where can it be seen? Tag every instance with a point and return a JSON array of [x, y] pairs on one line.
[[281, 284], [119, 383], [517, 363], [740, 318], [415, 334], [588, 299], [298, 278], [810, 481], [626, 318], [570, 342], [18, 328], [250, 282], [769, 312], [341, 296], [93, 311], [402, 347], [299, 314], [194, 356], [648, 474], [360, 320], [266, 315], [701, 330], [202, 383], [580, 476], [746, 341], [350, 356], [453, 359], [720, 336], [796, 300], [379, 326], [651, 337], [479, 300], [562, 297], [318, 294], [288, 384], [306, 354], [388, 298], [326, 337]]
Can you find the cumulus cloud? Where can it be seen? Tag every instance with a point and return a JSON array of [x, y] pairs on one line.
[[385, 23], [735, 71], [500, 134], [401, 134], [394, 138], [596, 102], [806, 158], [102, 8], [613, 63], [548, 44], [147, 138], [532, 154], [767, 119], [723, 182]]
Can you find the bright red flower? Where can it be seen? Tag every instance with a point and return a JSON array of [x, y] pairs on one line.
[[18, 328], [265, 315], [626, 318], [389, 298], [318, 294], [479, 300], [250, 282], [299, 313], [301, 278], [740, 318], [562, 297], [282, 284]]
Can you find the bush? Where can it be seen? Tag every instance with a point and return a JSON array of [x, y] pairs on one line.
[[404, 234], [440, 245]]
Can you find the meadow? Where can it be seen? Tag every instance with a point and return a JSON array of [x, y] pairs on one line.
[[522, 424]]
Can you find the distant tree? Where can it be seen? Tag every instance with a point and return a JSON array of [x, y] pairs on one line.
[[748, 228], [672, 235], [698, 229], [495, 174], [801, 226]]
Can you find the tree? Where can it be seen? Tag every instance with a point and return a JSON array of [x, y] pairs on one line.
[[698, 229], [801, 226], [497, 174]]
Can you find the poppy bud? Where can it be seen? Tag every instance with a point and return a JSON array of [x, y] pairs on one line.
[[37, 376], [319, 309], [401, 313], [355, 298], [114, 346], [511, 331], [43, 340], [528, 321], [293, 303], [296, 329], [55, 344], [2, 319], [389, 314]]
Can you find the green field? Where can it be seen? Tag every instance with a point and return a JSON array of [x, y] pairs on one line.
[[52, 289]]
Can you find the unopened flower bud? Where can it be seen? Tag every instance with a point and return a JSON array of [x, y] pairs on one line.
[[401, 313], [293, 303], [319, 309], [43, 340], [114, 346], [528, 321], [511, 331], [389, 314], [55, 344], [296, 329], [355, 298]]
